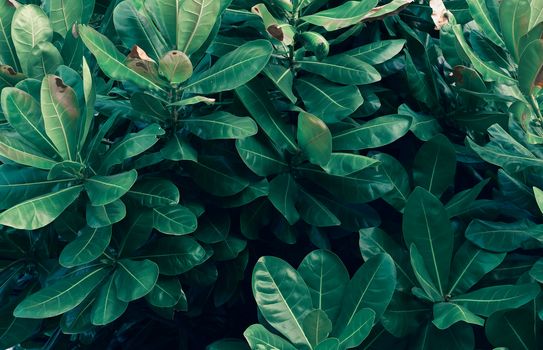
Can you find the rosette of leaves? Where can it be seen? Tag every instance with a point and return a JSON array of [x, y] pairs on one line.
[[318, 306]]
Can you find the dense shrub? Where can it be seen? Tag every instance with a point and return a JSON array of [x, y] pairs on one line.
[[304, 174]]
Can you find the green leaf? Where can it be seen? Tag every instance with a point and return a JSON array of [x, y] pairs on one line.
[[44, 59], [105, 215], [315, 212], [435, 165], [371, 287], [513, 329], [174, 255], [530, 67], [282, 78], [260, 156], [317, 326], [213, 227], [462, 200], [61, 115], [283, 195], [24, 115], [486, 301], [135, 231], [107, 307], [195, 21], [153, 193], [63, 16], [61, 296], [257, 336], [502, 237], [374, 241], [345, 15], [103, 190], [514, 23], [131, 145], [404, 315], [18, 150], [135, 28], [166, 293], [469, 265], [488, 70], [282, 297], [257, 102], [87, 247], [7, 49], [358, 329], [377, 52], [134, 279], [376, 133], [233, 69], [175, 66], [429, 288], [482, 16], [42, 210], [342, 69], [112, 61], [165, 16], [447, 314], [328, 101], [397, 176], [348, 163], [326, 277], [29, 26], [536, 13], [174, 220], [329, 344], [423, 126], [221, 125], [536, 272], [78, 319], [419, 84], [426, 224], [539, 198], [216, 176], [314, 138], [178, 148]]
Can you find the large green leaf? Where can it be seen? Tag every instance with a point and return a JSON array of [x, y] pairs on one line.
[[315, 212], [134, 28], [530, 67], [482, 16], [377, 52], [358, 329], [174, 220], [317, 326], [154, 193], [40, 211], [61, 296], [258, 336], [112, 61], [174, 255], [283, 78], [107, 306], [426, 224], [29, 26], [404, 315], [375, 133], [103, 190], [348, 163], [257, 102], [342, 69], [87, 247], [514, 329], [233, 69], [166, 293], [371, 287], [429, 290], [217, 176], [23, 113], [447, 314], [514, 23], [134, 279], [469, 265], [260, 156], [345, 15], [221, 125], [435, 165], [61, 115], [7, 50], [314, 138], [44, 59], [105, 215], [64, 15], [195, 21], [165, 15], [462, 200], [486, 301], [326, 277], [18, 150], [397, 176], [374, 241], [326, 100], [501, 236], [283, 195], [282, 297]]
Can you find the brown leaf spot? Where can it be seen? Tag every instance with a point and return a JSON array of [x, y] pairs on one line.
[[276, 32], [9, 70], [138, 52], [458, 74], [75, 32], [61, 87], [539, 78]]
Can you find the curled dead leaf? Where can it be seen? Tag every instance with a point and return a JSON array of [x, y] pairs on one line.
[[276, 32]]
